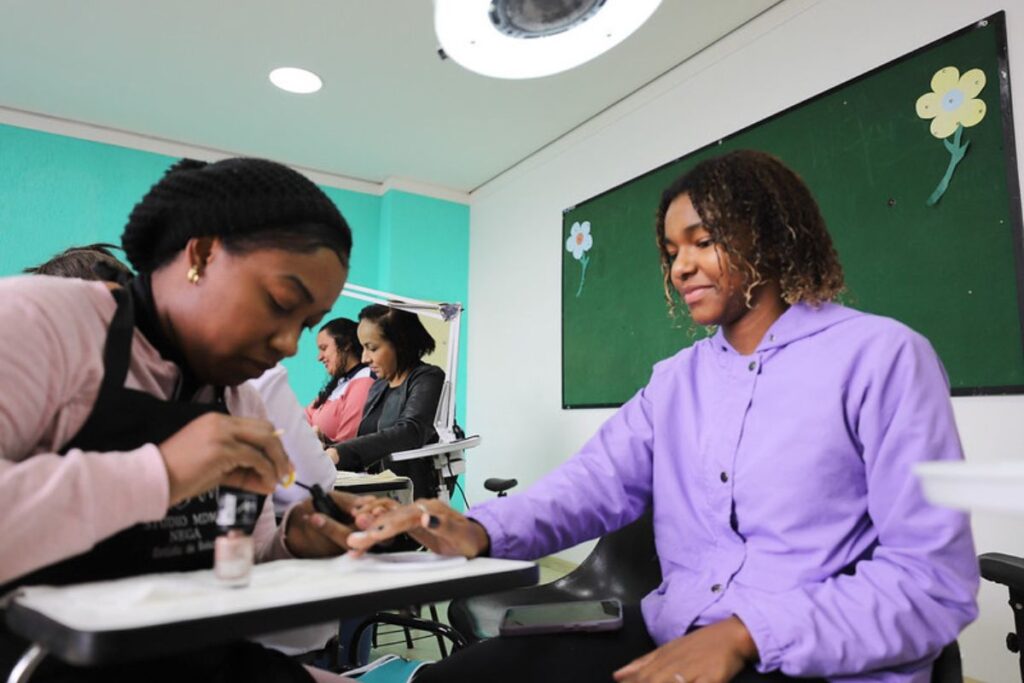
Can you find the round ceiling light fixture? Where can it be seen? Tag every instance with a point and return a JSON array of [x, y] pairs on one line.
[[532, 38], [296, 80]]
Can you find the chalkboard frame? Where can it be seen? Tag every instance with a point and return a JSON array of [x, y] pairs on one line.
[[998, 23]]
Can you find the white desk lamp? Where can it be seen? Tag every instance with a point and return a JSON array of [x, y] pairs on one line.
[[447, 453]]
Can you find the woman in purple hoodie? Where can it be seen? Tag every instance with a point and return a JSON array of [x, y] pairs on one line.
[[793, 538]]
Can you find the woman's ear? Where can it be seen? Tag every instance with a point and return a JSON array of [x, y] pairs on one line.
[[201, 251]]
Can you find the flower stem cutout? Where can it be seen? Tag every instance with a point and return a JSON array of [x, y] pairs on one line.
[[952, 105], [579, 243]]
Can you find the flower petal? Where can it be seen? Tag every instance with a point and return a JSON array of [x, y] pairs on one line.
[[945, 124], [945, 79], [574, 229], [585, 227], [972, 82], [928, 105], [588, 242], [577, 252], [971, 113], [570, 243]]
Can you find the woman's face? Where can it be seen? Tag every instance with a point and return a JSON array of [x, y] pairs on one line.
[[700, 269], [328, 353], [248, 310], [378, 352]]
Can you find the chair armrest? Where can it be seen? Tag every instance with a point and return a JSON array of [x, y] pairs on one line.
[[1005, 569]]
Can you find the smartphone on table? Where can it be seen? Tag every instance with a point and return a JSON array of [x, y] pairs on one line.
[[562, 617]]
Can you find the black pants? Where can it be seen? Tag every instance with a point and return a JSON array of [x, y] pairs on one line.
[[240, 662], [561, 658]]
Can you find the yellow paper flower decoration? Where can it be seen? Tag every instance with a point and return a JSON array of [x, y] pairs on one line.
[[952, 105], [952, 101]]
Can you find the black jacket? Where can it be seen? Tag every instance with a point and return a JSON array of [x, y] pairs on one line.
[[412, 427]]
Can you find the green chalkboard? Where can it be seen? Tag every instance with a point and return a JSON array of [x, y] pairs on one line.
[[951, 271]]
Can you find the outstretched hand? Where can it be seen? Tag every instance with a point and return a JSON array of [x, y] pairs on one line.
[[429, 521]]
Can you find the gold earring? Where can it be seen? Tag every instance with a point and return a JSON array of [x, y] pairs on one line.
[[193, 275]]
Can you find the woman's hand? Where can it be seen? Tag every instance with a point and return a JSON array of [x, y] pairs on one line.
[[332, 453], [428, 520], [314, 534], [216, 449], [713, 654]]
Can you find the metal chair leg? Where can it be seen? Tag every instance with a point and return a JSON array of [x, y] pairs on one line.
[[27, 664], [458, 641], [440, 640]]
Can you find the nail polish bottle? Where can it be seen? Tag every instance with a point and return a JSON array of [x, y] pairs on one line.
[[233, 550]]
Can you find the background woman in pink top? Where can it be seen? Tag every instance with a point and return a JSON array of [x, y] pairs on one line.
[[337, 410], [124, 409]]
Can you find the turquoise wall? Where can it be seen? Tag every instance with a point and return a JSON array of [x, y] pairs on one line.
[[58, 191]]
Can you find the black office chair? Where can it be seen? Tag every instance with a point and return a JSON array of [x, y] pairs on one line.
[[1008, 570], [623, 565]]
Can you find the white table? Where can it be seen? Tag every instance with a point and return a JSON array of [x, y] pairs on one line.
[[162, 614], [994, 486]]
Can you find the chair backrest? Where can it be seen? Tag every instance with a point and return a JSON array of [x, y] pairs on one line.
[[947, 668], [623, 565]]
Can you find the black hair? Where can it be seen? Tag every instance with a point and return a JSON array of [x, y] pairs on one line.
[[765, 218], [343, 332], [88, 262], [405, 332], [248, 203]]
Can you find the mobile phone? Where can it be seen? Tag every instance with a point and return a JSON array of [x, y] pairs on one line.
[[562, 617]]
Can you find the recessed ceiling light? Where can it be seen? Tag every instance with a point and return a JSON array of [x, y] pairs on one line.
[[531, 38], [296, 80]]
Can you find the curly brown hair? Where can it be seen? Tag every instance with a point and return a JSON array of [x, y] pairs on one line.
[[764, 217]]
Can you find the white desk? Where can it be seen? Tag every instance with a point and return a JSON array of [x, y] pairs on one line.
[[993, 486], [161, 614]]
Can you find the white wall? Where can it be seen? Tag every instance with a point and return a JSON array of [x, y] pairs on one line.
[[794, 51]]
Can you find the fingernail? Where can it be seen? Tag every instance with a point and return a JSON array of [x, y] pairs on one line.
[[317, 519], [357, 536]]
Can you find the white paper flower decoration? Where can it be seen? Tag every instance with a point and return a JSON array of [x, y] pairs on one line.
[[578, 244], [580, 240]]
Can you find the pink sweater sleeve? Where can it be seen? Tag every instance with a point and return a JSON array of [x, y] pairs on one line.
[[51, 338], [348, 410]]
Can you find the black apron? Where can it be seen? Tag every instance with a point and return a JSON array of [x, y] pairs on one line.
[[124, 419]]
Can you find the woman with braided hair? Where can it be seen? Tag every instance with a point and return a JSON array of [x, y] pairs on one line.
[[124, 406], [776, 454]]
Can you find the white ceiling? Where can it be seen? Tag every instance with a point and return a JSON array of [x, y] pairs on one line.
[[195, 72]]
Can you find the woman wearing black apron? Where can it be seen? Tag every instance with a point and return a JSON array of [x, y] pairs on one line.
[[234, 259]]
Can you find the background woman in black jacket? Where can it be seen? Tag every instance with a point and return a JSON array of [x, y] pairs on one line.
[[399, 411]]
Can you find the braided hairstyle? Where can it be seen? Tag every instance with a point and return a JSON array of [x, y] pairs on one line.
[[247, 203], [343, 332], [765, 218], [405, 332]]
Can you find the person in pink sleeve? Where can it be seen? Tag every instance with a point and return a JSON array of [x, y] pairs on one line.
[[124, 407], [337, 410]]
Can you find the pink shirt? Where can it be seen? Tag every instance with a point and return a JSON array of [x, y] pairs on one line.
[[52, 332], [339, 416]]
